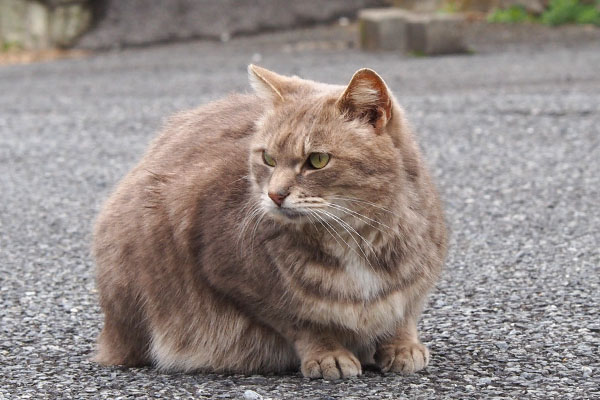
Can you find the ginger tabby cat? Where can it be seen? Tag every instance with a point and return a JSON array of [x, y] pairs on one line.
[[297, 226]]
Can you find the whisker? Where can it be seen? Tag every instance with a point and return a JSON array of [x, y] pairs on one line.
[[343, 209], [310, 220], [321, 220], [343, 224], [253, 212], [254, 230], [360, 216], [366, 202], [346, 224], [249, 217], [237, 180]]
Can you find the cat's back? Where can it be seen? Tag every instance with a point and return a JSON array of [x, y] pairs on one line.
[[205, 143], [204, 135], [195, 151]]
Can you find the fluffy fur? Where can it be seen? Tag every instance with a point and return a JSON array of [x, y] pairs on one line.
[[198, 269]]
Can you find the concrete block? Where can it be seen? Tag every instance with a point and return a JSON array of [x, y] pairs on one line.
[[12, 30], [69, 21], [437, 34], [420, 5], [383, 28], [396, 29], [35, 25]]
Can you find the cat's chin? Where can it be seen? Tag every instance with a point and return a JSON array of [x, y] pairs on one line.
[[287, 215]]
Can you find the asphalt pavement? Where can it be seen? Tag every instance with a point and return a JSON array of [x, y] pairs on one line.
[[512, 134]]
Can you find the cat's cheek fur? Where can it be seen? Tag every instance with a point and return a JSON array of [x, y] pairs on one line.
[[261, 173]]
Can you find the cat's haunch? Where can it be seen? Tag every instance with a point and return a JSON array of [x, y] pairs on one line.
[[293, 228]]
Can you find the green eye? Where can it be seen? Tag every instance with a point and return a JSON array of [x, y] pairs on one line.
[[270, 161], [318, 160]]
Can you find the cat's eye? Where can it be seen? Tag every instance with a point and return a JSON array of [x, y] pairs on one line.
[[318, 160], [270, 161]]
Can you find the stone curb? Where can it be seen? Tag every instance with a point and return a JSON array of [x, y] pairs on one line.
[[397, 29]]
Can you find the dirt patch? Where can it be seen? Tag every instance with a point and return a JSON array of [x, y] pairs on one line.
[[27, 57]]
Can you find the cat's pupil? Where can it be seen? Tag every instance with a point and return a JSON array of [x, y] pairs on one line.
[[270, 161], [318, 160]]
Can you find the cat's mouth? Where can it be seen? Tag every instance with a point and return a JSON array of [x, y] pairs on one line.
[[288, 212]]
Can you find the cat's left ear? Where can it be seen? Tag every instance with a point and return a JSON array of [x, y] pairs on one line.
[[367, 98], [267, 84]]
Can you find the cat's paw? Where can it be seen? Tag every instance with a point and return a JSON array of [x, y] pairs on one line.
[[331, 365], [404, 357]]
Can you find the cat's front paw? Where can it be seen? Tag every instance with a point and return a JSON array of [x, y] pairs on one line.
[[403, 357], [331, 365]]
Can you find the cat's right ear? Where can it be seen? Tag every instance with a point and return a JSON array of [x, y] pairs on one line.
[[267, 84], [367, 98]]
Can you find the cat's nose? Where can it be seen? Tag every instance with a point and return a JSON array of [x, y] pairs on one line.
[[278, 197]]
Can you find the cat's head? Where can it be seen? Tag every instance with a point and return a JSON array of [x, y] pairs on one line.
[[323, 151]]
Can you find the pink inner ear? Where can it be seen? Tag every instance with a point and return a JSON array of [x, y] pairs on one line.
[[367, 98], [383, 102], [381, 120]]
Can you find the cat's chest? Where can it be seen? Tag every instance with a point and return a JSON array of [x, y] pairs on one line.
[[359, 279], [354, 296]]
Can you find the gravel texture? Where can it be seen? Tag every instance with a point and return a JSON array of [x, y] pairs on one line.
[[512, 134]]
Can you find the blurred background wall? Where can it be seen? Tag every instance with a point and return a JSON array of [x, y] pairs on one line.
[[37, 24], [103, 24]]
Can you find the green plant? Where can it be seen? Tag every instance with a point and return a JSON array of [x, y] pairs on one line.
[[449, 7], [417, 53], [571, 11], [512, 14], [10, 46]]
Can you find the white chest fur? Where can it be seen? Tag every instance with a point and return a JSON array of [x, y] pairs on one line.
[[354, 298]]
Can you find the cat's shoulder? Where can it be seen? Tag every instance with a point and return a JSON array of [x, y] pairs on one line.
[[218, 127], [234, 109]]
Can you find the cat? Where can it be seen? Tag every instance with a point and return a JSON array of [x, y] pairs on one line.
[[293, 227]]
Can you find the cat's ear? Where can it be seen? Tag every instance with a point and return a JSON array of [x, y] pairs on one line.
[[367, 98], [267, 84]]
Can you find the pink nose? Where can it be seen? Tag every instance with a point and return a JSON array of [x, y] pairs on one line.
[[278, 198]]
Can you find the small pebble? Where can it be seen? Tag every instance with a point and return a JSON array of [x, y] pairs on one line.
[[501, 345], [225, 37], [587, 372], [252, 395], [485, 381]]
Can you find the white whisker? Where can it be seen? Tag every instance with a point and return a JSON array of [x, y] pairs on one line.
[[343, 224], [360, 216], [256, 225], [251, 214], [308, 216], [366, 202], [323, 222], [237, 180]]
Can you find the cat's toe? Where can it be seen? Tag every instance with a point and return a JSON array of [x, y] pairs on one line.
[[331, 366], [404, 358], [312, 369]]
